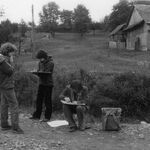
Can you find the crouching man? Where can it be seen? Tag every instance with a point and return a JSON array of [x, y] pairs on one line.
[[75, 92], [8, 97]]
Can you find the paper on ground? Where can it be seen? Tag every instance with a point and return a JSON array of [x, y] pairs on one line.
[[57, 123]]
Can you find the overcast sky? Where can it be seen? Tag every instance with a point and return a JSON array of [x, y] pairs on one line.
[[15, 10]]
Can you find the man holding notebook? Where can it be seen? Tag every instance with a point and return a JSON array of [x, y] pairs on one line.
[[74, 98], [44, 95]]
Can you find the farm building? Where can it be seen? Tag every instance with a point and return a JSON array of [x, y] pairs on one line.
[[117, 37], [138, 28]]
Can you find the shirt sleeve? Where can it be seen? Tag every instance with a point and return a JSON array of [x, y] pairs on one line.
[[6, 68], [2, 59], [49, 67], [64, 93]]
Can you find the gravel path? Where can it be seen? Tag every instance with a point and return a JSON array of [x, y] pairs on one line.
[[40, 136]]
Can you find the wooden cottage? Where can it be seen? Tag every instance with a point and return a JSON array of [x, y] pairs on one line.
[[138, 28]]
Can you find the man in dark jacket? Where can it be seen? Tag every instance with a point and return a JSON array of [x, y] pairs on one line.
[[8, 97], [45, 86], [79, 93]]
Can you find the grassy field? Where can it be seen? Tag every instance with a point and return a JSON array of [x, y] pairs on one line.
[[91, 53]]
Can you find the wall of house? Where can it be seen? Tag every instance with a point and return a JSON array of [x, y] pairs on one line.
[[148, 37], [132, 36]]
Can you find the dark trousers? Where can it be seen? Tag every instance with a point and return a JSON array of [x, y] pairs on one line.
[[8, 99], [44, 95], [69, 110]]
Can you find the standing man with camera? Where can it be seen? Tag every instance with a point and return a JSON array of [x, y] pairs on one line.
[[8, 97]]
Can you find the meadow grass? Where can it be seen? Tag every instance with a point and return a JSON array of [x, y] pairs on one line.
[[87, 58], [91, 53]]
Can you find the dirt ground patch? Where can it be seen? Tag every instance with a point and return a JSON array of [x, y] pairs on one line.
[[40, 136]]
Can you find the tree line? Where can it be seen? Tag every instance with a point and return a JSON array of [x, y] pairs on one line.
[[53, 20]]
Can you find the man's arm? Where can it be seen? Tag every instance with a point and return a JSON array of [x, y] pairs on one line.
[[64, 93], [83, 97], [49, 67], [6, 68]]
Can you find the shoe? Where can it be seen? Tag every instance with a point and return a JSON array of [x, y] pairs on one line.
[[87, 127], [81, 128], [17, 130], [72, 129], [4, 128], [45, 120], [34, 118]]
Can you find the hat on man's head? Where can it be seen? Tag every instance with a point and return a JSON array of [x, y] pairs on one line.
[[7, 48], [41, 54], [76, 84]]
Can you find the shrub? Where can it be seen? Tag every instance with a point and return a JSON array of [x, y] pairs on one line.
[[133, 93], [130, 91], [26, 88], [101, 95]]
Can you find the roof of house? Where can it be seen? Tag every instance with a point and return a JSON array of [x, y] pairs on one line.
[[117, 29], [134, 25], [144, 12]]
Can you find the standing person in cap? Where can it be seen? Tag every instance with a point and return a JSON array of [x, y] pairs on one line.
[[75, 92], [45, 87], [8, 97]]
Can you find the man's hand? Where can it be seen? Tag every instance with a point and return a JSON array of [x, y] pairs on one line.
[[67, 99]]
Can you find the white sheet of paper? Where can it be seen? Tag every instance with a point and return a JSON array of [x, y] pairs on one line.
[[57, 123]]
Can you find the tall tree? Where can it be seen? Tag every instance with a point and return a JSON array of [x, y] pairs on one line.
[[120, 14], [1, 12], [81, 19], [23, 28], [49, 17], [66, 18]]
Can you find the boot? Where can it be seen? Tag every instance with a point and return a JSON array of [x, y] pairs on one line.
[[17, 130]]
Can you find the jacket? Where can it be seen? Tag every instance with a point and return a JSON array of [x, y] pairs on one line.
[[46, 66], [6, 74], [81, 96]]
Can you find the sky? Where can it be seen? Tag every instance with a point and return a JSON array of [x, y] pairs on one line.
[[15, 10]]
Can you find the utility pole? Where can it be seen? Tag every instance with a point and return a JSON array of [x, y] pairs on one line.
[[19, 39], [32, 34]]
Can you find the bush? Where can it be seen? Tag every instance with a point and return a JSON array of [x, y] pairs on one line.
[[130, 91], [26, 86], [100, 96], [133, 93]]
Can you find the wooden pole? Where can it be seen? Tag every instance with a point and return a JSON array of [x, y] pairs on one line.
[[32, 34]]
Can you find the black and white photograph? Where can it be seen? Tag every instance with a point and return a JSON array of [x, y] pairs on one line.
[[74, 74]]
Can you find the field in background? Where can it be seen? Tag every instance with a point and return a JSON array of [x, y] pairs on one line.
[[91, 53]]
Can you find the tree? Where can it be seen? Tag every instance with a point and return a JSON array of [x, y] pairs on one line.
[[81, 19], [5, 31], [120, 14], [1, 12], [66, 18], [23, 28], [49, 17]]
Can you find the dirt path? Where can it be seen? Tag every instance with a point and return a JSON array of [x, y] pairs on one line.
[[40, 136]]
